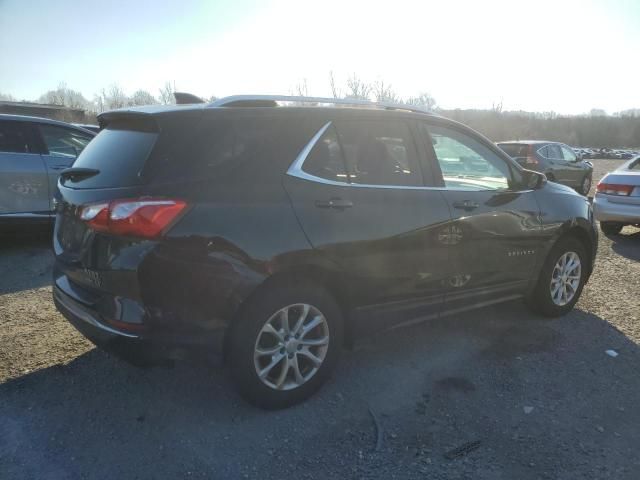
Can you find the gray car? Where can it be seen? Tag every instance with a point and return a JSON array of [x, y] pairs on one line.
[[617, 200], [556, 160], [33, 152]]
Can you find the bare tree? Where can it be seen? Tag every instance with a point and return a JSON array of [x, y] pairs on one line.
[[6, 97], [357, 88], [302, 89], [335, 91], [423, 100], [110, 98], [142, 97], [385, 93], [64, 96], [166, 93]]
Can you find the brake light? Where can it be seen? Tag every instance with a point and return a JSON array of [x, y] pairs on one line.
[[531, 156], [141, 217], [614, 189]]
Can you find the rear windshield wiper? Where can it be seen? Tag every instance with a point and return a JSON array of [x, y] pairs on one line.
[[75, 174]]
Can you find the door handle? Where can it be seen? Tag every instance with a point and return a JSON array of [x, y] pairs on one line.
[[466, 205], [335, 203], [58, 167]]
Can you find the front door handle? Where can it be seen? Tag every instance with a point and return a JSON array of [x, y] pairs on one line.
[[58, 167], [335, 203], [466, 205]]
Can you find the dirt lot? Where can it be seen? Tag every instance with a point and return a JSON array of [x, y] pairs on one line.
[[543, 399]]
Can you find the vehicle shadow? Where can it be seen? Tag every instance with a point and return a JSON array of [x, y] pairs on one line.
[[627, 244], [26, 260], [430, 388]]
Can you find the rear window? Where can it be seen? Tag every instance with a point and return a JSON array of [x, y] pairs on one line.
[[119, 154], [515, 150]]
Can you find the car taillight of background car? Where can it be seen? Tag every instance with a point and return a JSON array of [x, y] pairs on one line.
[[614, 189]]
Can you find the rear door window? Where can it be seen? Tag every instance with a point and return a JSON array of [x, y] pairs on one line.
[[379, 153], [15, 138]]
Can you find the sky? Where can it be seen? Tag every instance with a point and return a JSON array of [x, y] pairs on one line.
[[566, 56]]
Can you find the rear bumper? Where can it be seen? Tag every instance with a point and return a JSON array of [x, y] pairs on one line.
[[147, 348], [607, 211]]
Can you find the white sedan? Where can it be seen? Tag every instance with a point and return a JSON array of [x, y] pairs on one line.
[[617, 200]]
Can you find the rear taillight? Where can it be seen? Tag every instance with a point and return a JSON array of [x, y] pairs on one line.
[[139, 217], [614, 189], [531, 157]]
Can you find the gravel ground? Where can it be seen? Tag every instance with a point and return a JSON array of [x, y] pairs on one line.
[[538, 399]]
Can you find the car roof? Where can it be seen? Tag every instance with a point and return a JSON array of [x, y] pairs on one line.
[[49, 121], [273, 103]]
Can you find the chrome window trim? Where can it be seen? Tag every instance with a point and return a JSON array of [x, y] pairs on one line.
[[27, 215], [295, 170]]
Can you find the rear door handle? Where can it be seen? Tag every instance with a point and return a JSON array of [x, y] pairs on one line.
[[335, 203], [466, 205]]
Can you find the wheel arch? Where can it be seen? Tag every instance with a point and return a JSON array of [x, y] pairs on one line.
[[582, 235], [321, 275]]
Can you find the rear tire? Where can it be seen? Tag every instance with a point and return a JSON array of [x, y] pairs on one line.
[[611, 228], [557, 279], [255, 348]]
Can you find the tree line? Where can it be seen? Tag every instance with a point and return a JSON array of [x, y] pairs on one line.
[[595, 129]]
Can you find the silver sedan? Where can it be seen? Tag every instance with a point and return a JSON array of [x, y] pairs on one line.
[[617, 200]]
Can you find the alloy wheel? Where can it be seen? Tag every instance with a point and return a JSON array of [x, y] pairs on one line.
[[565, 278], [291, 346]]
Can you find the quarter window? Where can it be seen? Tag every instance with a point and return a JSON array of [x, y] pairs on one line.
[[466, 163], [325, 159], [379, 153], [63, 142], [13, 138]]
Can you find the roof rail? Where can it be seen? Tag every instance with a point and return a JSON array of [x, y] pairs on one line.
[[272, 101]]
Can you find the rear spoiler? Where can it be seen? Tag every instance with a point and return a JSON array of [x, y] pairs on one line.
[[186, 98], [130, 120]]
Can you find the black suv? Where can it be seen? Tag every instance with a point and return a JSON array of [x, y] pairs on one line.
[[276, 229], [556, 160]]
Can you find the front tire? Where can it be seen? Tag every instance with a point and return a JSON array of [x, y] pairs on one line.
[[561, 280], [610, 228], [285, 344], [585, 185]]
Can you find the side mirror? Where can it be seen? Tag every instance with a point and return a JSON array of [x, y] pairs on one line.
[[533, 180]]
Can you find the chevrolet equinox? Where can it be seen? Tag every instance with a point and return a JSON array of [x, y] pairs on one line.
[[273, 230]]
